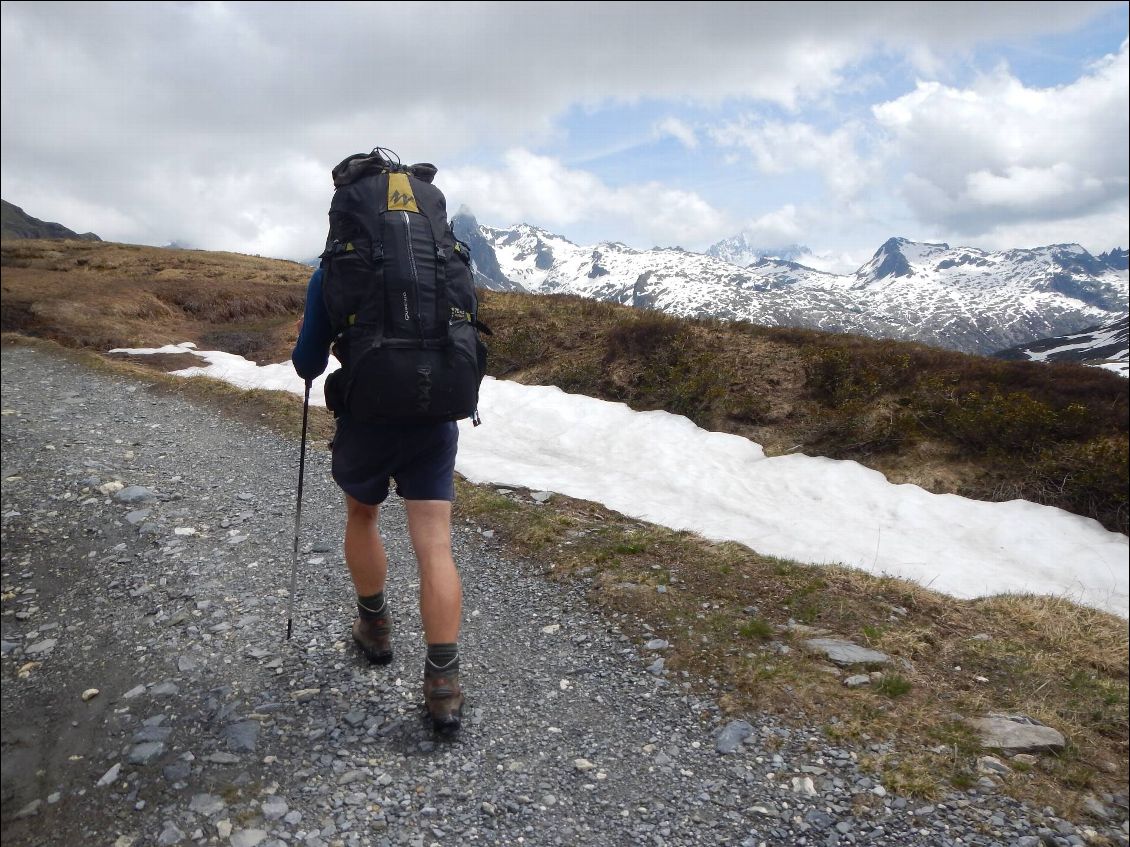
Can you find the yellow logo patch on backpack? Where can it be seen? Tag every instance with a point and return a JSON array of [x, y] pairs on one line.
[[400, 196]]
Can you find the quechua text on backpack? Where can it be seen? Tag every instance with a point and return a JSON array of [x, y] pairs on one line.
[[401, 297]]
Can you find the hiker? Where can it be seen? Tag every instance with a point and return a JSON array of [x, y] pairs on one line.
[[395, 298]]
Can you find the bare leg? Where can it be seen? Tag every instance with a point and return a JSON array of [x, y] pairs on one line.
[[364, 552], [441, 593]]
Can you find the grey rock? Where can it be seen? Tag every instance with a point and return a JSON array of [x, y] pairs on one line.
[[7, 647], [134, 494], [206, 804], [146, 752], [170, 835], [178, 771], [152, 733], [242, 736], [137, 516], [540, 496], [732, 736], [804, 785], [845, 653], [111, 776], [656, 667], [180, 616], [136, 691], [657, 644], [222, 758], [45, 646], [1096, 808], [165, 689], [992, 766], [1017, 734], [857, 681], [30, 810], [355, 718], [349, 777], [247, 838], [274, 807]]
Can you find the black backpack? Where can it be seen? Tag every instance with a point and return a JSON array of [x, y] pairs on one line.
[[401, 297]]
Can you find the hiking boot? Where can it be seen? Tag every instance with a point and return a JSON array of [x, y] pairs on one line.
[[374, 639], [443, 697]]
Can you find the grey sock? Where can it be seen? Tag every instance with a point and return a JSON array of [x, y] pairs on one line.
[[442, 659], [373, 607]]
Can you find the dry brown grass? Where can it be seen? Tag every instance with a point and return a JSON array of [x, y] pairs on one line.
[[99, 295]]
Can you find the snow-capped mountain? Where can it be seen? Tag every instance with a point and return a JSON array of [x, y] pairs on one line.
[[484, 263], [741, 250], [955, 297], [1104, 346]]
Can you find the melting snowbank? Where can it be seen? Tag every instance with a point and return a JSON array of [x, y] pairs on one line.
[[662, 468]]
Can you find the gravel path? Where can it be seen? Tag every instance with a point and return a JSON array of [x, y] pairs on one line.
[[209, 728]]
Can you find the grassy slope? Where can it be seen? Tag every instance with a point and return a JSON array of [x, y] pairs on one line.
[[726, 609]]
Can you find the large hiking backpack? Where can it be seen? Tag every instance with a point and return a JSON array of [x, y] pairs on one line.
[[401, 297]]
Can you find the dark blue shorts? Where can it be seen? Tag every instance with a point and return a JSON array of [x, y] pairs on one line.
[[419, 456]]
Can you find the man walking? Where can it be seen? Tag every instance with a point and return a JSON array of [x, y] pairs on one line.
[[394, 295]]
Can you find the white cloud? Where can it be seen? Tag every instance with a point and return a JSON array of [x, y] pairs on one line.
[[212, 104], [679, 130], [835, 261], [779, 147], [1097, 232], [540, 190], [791, 224], [279, 210], [777, 228], [1000, 155]]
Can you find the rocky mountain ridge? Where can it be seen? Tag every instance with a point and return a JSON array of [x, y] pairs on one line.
[[19, 224], [960, 298]]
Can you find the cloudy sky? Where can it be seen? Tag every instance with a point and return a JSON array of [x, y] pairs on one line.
[[831, 125]]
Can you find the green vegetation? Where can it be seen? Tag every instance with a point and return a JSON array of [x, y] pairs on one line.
[[893, 685]]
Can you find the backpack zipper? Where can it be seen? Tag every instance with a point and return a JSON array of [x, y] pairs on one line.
[[415, 273]]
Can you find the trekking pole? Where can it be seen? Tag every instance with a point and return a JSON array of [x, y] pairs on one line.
[[298, 515]]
